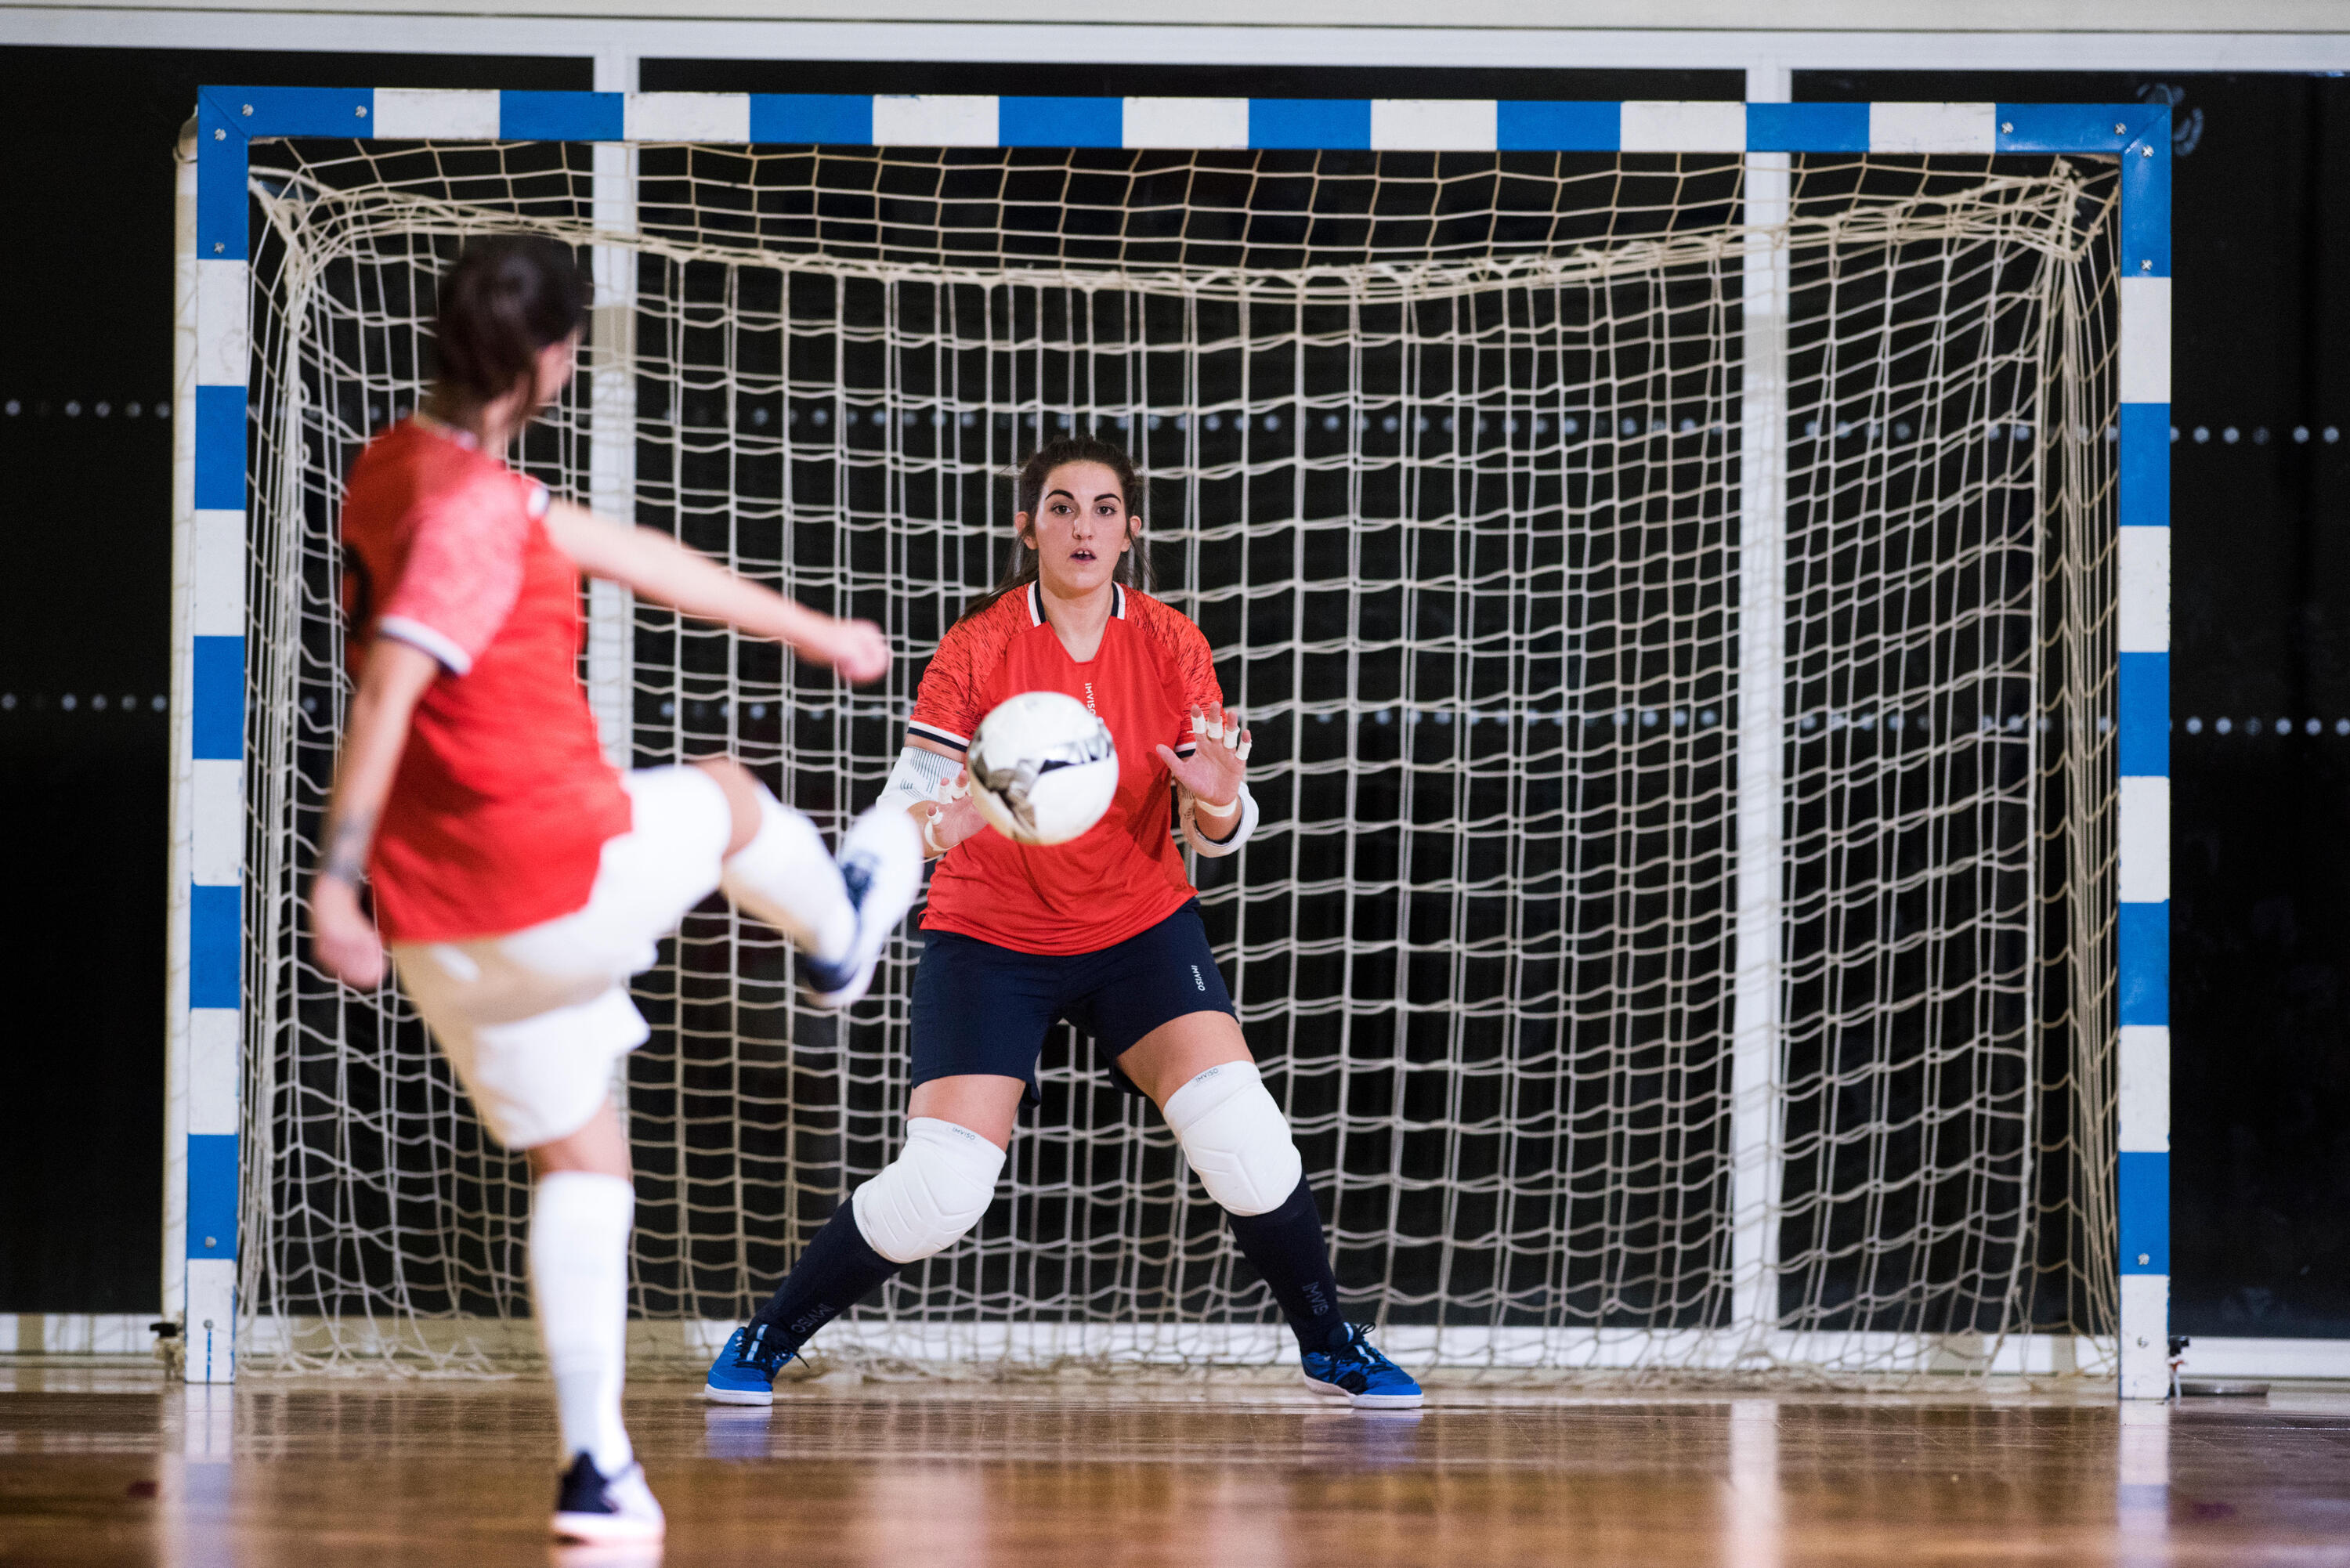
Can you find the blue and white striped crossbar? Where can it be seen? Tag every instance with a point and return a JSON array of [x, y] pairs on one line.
[[1470, 125]]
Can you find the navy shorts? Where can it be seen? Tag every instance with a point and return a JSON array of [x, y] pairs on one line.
[[980, 1008]]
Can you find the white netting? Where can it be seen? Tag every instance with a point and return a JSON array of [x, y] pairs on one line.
[[1443, 454]]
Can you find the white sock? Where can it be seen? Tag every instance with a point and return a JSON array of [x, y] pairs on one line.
[[786, 877], [580, 1287]]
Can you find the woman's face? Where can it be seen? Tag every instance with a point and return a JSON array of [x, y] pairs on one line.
[[1081, 526], [555, 363]]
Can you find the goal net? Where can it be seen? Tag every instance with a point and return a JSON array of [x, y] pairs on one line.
[[1455, 459]]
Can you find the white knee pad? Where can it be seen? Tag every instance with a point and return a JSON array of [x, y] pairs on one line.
[[935, 1189], [1237, 1138]]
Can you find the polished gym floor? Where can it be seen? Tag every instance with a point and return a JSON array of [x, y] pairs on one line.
[[108, 1464]]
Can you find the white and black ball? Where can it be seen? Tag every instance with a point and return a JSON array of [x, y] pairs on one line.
[[1042, 769]]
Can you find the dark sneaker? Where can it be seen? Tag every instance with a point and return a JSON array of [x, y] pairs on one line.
[[881, 867], [744, 1372], [591, 1507], [1352, 1369]]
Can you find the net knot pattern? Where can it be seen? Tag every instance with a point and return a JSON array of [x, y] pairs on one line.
[[1442, 451]]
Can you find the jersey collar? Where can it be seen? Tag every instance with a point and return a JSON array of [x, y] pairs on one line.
[[1036, 603], [446, 431]]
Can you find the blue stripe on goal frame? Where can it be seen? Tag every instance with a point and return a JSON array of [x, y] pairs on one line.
[[2144, 1201], [216, 944], [212, 1195]]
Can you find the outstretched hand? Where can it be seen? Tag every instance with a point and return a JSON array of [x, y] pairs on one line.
[[1215, 772], [345, 937], [858, 648], [952, 817]]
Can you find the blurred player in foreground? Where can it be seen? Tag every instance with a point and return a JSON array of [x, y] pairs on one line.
[[519, 879], [1103, 930]]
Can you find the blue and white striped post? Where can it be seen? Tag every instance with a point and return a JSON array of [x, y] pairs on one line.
[[211, 1074], [2143, 703], [208, 784]]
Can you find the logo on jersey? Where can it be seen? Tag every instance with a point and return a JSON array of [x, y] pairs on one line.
[[1089, 700]]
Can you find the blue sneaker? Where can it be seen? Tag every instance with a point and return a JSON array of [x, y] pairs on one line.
[[1352, 1369], [744, 1372], [881, 867]]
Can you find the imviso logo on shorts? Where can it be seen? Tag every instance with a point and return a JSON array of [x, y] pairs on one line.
[[1197, 980]]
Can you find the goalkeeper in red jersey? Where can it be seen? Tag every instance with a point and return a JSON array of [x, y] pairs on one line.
[[1103, 931], [518, 878]]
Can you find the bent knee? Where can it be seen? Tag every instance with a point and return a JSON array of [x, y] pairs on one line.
[[743, 791], [935, 1190], [1236, 1137]]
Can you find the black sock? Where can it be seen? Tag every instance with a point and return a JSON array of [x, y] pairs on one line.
[[1289, 1250], [839, 1270]]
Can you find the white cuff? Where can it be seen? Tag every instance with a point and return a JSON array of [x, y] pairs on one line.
[[916, 779], [1209, 846], [426, 640]]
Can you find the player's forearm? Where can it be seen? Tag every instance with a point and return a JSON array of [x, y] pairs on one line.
[[1215, 819], [1217, 834], [390, 685], [653, 566], [923, 785]]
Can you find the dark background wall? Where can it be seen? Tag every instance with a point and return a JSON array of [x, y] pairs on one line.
[[2262, 596], [85, 141]]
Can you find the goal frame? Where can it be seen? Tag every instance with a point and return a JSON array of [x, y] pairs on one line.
[[203, 1174]]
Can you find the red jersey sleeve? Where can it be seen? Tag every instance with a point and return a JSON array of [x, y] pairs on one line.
[[1195, 666], [951, 701], [463, 570], [1197, 662]]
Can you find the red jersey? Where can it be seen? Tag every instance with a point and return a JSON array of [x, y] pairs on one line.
[[1124, 876], [503, 799]]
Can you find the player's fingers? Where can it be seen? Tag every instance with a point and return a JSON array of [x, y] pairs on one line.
[[1166, 754], [1231, 728], [865, 655], [1199, 720], [1216, 721], [1247, 740], [355, 966]]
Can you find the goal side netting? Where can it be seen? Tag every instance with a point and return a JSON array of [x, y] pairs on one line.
[[1446, 455]]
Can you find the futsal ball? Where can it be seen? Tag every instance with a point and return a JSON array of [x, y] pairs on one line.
[[1042, 769]]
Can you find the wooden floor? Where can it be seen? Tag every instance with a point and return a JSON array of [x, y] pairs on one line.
[[107, 1466]]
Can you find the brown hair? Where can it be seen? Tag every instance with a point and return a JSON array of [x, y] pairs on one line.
[[1133, 567], [507, 298]]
